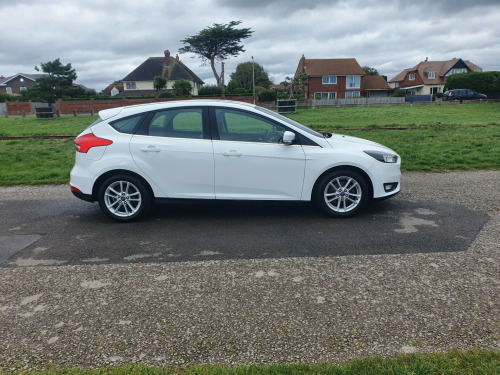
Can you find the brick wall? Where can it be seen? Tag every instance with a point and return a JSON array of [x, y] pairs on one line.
[[17, 108], [88, 106]]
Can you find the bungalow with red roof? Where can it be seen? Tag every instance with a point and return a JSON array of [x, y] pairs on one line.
[[429, 77], [141, 79]]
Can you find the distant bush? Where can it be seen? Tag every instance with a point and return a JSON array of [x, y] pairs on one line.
[[167, 95], [399, 93], [267, 96], [213, 90], [241, 91], [484, 82], [4, 97]]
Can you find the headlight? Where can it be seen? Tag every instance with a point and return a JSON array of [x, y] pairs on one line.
[[384, 157]]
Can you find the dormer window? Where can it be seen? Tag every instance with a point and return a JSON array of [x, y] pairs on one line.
[[412, 77], [431, 75]]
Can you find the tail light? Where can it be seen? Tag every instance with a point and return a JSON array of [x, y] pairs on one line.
[[87, 141]]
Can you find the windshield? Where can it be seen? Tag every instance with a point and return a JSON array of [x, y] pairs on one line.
[[290, 121]]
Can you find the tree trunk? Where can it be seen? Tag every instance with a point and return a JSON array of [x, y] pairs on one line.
[[217, 78]]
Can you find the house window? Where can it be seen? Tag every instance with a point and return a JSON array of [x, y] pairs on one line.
[[352, 94], [329, 80], [353, 82], [457, 71], [325, 95], [435, 90], [431, 75], [131, 86], [9, 90], [412, 77], [22, 88]]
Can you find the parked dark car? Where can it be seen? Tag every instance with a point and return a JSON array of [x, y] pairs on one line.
[[463, 94]]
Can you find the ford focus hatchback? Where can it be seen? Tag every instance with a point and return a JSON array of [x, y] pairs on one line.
[[216, 149]]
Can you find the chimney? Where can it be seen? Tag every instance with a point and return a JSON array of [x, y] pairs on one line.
[[167, 58], [426, 59]]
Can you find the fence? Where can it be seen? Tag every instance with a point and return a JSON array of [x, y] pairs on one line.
[[356, 101]]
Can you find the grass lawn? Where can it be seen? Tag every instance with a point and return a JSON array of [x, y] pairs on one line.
[[32, 127], [436, 138]]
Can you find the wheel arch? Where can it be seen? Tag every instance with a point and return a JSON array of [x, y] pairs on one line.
[[115, 172], [345, 167]]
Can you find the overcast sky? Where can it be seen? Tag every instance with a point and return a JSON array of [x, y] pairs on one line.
[[104, 40]]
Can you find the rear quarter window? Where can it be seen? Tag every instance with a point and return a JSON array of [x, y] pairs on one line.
[[127, 125]]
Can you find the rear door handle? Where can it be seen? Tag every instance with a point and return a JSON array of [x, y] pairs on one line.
[[150, 149]]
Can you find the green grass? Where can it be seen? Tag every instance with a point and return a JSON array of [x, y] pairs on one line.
[[36, 161], [473, 362], [32, 127], [436, 138], [397, 116]]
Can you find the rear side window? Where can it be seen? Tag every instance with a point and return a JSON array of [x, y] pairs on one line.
[[177, 123], [127, 125]]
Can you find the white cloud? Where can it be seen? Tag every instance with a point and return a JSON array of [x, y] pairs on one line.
[[105, 40]]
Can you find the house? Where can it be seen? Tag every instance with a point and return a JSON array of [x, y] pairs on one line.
[[140, 80], [13, 85], [332, 78], [376, 87], [429, 77]]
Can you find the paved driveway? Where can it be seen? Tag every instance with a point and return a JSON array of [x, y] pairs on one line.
[[266, 310], [60, 229]]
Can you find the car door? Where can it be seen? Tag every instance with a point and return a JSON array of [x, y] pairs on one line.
[[174, 150], [251, 162]]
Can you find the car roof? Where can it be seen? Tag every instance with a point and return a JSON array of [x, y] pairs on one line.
[[140, 108]]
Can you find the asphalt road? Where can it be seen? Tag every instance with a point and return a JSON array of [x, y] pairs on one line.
[[68, 231]]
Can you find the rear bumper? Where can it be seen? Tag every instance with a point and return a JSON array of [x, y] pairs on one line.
[[77, 193]]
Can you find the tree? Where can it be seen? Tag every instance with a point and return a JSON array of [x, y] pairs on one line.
[[243, 76], [59, 78], [370, 71], [217, 43], [182, 88], [159, 84], [296, 86]]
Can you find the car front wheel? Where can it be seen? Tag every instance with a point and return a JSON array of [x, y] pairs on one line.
[[342, 193], [124, 198]]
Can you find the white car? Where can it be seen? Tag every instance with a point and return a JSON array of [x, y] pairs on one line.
[[218, 149]]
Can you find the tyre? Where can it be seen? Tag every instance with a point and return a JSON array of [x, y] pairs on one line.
[[342, 193], [124, 198]]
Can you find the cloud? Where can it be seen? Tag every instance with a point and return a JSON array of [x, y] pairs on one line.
[[105, 40]]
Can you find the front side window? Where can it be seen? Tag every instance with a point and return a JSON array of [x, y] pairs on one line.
[[131, 86], [177, 123], [8, 90], [353, 82], [329, 80], [240, 126]]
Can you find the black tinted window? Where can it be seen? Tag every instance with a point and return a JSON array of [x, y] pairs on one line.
[[126, 125]]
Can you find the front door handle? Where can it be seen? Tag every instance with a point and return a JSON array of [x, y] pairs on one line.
[[232, 153]]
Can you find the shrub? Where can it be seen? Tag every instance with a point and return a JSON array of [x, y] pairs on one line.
[[267, 96], [167, 95], [182, 88], [213, 90]]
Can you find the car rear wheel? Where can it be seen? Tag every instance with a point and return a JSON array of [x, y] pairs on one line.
[[342, 193], [124, 198]]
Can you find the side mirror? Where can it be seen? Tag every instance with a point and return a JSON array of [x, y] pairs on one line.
[[288, 137]]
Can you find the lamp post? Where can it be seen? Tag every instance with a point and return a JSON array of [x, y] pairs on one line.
[[253, 79]]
